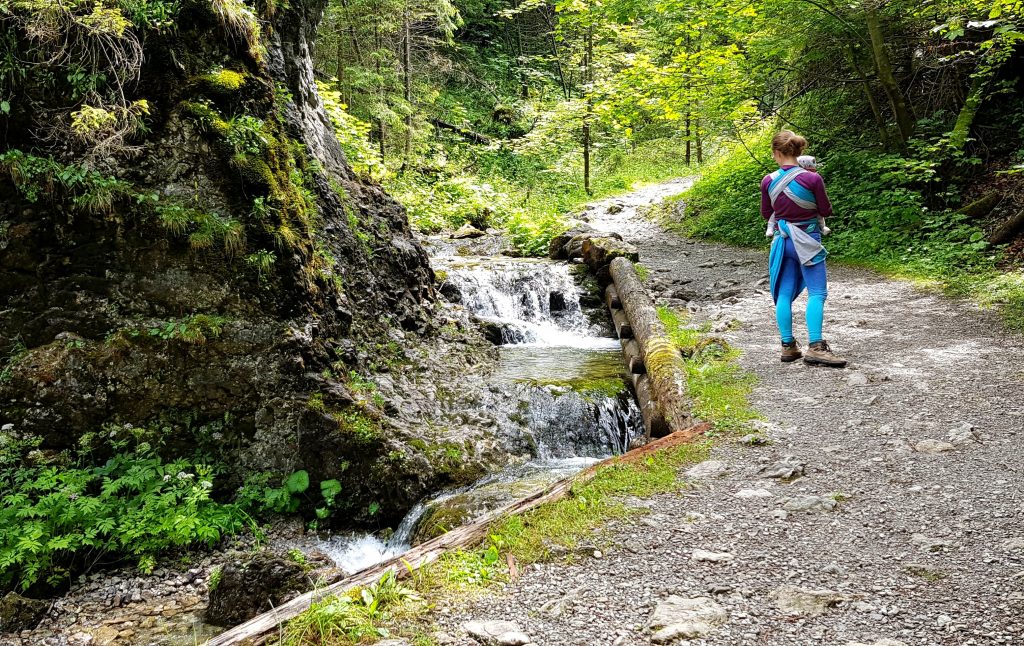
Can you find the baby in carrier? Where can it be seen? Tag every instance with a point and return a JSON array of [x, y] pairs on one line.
[[808, 163]]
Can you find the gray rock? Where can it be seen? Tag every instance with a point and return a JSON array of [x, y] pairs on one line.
[[467, 231], [711, 557], [753, 439], [933, 446], [963, 434], [881, 642], [1014, 544], [857, 379], [930, 544], [19, 613], [753, 493], [788, 468], [253, 584], [806, 602], [496, 633], [685, 618], [806, 503], [707, 469]]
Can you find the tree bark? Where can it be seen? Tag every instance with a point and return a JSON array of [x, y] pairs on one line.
[[665, 365], [407, 66], [1009, 230], [876, 110], [964, 120], [589, 67], [622, 327], [904, 119]]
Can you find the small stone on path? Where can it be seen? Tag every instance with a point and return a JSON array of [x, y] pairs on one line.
[[963, 434], [788, 468], [857, 379], [707, 469], [753, 493], [683, 618], [1014, 544], [930, 544], [933, 446], [711, 557], [806, 602], [880, 642], [808, 503], [496, 633]]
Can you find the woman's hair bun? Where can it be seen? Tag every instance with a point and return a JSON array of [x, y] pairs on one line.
[[789, 143]]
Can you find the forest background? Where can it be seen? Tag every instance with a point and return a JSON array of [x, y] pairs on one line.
[[514, 113]]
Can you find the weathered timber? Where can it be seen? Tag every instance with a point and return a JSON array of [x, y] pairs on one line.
[[1008, 230], [622, 326], [665, 365], [598, 252], [256, 629], [611, 298], [631, 354], [654, 423]]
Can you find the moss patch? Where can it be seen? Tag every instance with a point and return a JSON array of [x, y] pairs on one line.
[[221, 82]]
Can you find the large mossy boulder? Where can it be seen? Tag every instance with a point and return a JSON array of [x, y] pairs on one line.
[[251, 585], [19, 613]]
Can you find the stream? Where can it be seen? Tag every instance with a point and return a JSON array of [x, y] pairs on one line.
[[555, 355]]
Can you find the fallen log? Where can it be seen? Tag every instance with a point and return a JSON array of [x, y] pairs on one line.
[[465, 133], [664, 363], [631, 353], [255, 630], [1008, 230], [611, 298], [622, 326], [654, 424]]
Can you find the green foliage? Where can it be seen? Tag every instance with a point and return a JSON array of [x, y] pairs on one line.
[[196, 329], [57, 519], [44, 178], [355, 617], [17, 352]]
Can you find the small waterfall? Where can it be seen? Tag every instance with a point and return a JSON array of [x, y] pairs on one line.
[[533, 302], [578, 408]]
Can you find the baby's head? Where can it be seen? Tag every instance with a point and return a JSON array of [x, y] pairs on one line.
[[808, 162]]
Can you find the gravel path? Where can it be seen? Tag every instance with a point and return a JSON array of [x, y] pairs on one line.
[[926, 543]]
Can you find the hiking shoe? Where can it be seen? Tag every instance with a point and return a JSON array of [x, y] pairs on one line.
[[790, 352], [818, 353]]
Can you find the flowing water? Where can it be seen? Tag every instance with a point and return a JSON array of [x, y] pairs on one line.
[[567, 368]]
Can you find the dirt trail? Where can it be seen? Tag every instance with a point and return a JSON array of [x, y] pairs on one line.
[[918, 440]]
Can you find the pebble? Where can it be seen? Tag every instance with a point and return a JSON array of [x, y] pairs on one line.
[[933, 446], [753, 493], [685, 618], [711, 557], [806, 503]]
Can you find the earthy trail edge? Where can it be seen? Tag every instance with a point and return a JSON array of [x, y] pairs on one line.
[[256, 628], [924, 543]]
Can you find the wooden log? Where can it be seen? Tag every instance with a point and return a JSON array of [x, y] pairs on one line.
[[598, 252], [622, 326], [665, 366], [611, 298], [254, 630], [654, 423], [631, 354], [1008, 230]]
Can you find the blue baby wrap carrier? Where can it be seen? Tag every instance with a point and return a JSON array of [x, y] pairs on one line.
[[808, 248]]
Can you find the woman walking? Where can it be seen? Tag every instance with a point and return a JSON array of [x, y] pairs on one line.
[[794, 198]]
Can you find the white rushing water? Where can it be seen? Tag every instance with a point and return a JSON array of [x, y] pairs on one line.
[[546, 339]]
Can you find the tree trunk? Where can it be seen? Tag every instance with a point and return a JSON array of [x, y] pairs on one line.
[[1009, 230], [589, 78], [700, 141], [665, 366], [904, 119], [876, 110], [962, 129], [407, 66], [686, 133]]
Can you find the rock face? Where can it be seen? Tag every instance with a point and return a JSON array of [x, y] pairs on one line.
[[248, 587], [220, 284]]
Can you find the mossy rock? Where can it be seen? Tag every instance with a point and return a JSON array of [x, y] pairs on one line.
[[221, 84]]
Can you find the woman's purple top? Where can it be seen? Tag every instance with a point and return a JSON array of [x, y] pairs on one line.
[[785, 209]]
